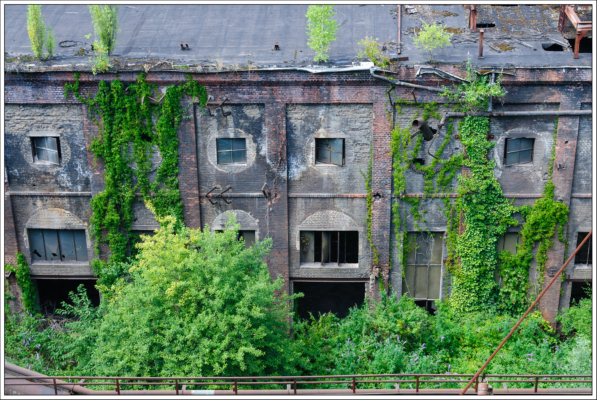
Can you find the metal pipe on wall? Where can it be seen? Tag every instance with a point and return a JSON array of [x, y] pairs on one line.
[[399, 28], [554, 113]]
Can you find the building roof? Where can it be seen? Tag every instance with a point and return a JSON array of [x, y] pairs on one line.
[[241, 36]]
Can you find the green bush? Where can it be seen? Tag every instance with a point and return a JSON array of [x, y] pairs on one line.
[[578, 318], [105, 22], [369, 48], [321, 30]]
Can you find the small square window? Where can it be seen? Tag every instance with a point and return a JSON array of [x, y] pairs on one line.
[[329, 151], [519, 151], [46, 149], [232, 151]]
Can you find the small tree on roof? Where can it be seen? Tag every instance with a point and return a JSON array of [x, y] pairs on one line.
[[322, 30], [431, 37]]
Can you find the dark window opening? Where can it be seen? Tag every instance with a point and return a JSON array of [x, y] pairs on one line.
[[552, 47], [485, 25], [422, 275], [506, 242], [134, 238], [324, 297], [419, 161], [329, 151], [46, 149], [52, 292], [232, 151], [58, 245], [428, 305], [580, 290], [330, 247], [519, 151], [585, 254], [586, 45], [247, 236]]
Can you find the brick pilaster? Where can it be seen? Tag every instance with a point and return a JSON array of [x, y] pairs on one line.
[[10, 236], [381, 187], [188, 178], [563, 173], [275, 124]]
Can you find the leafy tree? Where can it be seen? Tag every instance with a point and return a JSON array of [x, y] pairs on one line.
[[370, 50], [39, 34], [322, 30], [431, 37], [105, 22], [194, 304]]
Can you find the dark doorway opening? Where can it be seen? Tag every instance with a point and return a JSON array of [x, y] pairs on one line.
[[485, 25], [323, 297], [580, 290], [586, 45], [552, 47], [52, 292]]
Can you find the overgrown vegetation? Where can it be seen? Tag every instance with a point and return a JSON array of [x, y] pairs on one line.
[[370, 49], [21, 271], [431, 37], [40, 35], [321, 30], [131, 122], [105, 22]]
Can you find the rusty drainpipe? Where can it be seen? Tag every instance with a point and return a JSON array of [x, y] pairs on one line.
[[526, 313], [472, 21], [481, 31], [412, 85], [399, 28], [553, 113]]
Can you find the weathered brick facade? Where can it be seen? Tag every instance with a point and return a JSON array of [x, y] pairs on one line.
[[280, 113]]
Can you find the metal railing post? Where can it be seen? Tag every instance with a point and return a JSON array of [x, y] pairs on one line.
[[55, 388], [354, 384], [536, 383], [235, 387], [294, 385], [176, 382], [117, 387], [417, 390]]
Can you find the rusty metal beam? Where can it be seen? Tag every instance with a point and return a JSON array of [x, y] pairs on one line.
[[581, 27]]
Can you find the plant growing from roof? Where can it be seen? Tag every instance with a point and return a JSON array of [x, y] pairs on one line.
[[105, 22], [431, 37], [369, 48], [39, 34], [322, 30]]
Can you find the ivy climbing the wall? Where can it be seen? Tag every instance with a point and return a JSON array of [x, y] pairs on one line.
[[132, 120], [367, 178], [29, 294]]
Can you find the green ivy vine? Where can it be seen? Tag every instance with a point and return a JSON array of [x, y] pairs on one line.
[[29, 294], [367, 177], [131, 121]]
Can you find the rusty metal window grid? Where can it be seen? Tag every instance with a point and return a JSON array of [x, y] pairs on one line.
[[585, 254], [70, 245], [426, 257], [329, 151], [519, 151], [231, 151], [46, 149]]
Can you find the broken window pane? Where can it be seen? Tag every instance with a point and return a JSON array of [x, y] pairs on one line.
[[409, 282], [58, 245], [307, 247], [337, 159], [36, 242], [325, 247], [46, 149], [51, 243], [323, 156]]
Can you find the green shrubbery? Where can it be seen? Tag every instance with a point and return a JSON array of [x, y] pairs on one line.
[[40, 35]]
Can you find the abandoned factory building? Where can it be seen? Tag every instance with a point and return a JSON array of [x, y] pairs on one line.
[[285, 143]]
